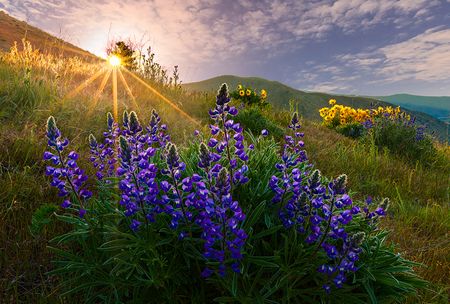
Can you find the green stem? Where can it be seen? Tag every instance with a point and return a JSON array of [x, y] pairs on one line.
[[228, 151]]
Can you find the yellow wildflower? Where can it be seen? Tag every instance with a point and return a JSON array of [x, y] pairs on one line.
[[248, 92], [263, 94], [240, 87], [323, 112], [241, 93], [332, 102]]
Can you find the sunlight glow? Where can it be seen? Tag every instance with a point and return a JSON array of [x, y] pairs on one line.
[[114, 91], [173, 105], [124, 82], [114, 61], [84, 84], [99, 92]]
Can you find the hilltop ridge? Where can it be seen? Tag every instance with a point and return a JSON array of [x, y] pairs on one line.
[[14, 30]]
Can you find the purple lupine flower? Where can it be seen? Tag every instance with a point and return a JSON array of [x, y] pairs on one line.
[[156, 133], [227, 137], [135, 225], [264, 132], [220, 222], [320, 212], [141, 195], [67, 177], [186, 195], [380, 211], [103, 155], [66, 204]]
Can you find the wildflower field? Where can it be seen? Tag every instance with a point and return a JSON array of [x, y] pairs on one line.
[[210, 196]]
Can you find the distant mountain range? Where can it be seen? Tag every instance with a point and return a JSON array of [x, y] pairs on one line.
[[436, 106], [309, 103]]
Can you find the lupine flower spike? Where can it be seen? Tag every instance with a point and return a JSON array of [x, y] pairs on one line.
[[67, 177]]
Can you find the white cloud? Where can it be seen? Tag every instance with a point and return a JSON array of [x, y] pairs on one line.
[[330, 87], [196, 32], [423, 57], [217, 24]]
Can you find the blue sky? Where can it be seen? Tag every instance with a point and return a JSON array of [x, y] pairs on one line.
[[345, 46]]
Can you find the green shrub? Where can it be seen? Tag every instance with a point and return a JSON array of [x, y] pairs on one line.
[[253, 119], [353, 130], [403, 138]]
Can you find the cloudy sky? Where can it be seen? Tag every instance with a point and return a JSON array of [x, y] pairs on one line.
[[373, 47]]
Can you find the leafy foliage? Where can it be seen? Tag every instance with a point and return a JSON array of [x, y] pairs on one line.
[[126, 53], [249, 96], [41, 218], [252, 119], [352, 130], [404, 139]]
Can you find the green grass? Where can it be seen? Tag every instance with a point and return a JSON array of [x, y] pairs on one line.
[[418, 218]]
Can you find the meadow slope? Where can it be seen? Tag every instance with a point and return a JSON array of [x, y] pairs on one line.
[[419, 193]]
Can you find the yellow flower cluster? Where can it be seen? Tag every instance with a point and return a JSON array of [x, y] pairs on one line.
[[248, 92], [340, 115], [393, 112]]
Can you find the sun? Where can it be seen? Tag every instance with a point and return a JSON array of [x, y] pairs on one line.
[[115, 71], [114, 61]]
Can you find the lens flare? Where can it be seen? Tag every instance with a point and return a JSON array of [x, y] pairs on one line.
[[114, 61]]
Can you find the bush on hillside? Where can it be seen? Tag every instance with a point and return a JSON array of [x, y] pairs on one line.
[[250, 97], [352, 130], [253, 119], [223, 219], [403, 137], [385, 127]]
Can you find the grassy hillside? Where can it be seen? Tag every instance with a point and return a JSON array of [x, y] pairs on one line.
[[419, 194], [436, 106], [13, 30], [309, 103]]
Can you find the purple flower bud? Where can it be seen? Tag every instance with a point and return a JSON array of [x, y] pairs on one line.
[[81, 213], [213, 142], [73, 155], [233, 111], [214, 129], [135, 224], [66, 204], [47, 155], [229, 124]]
